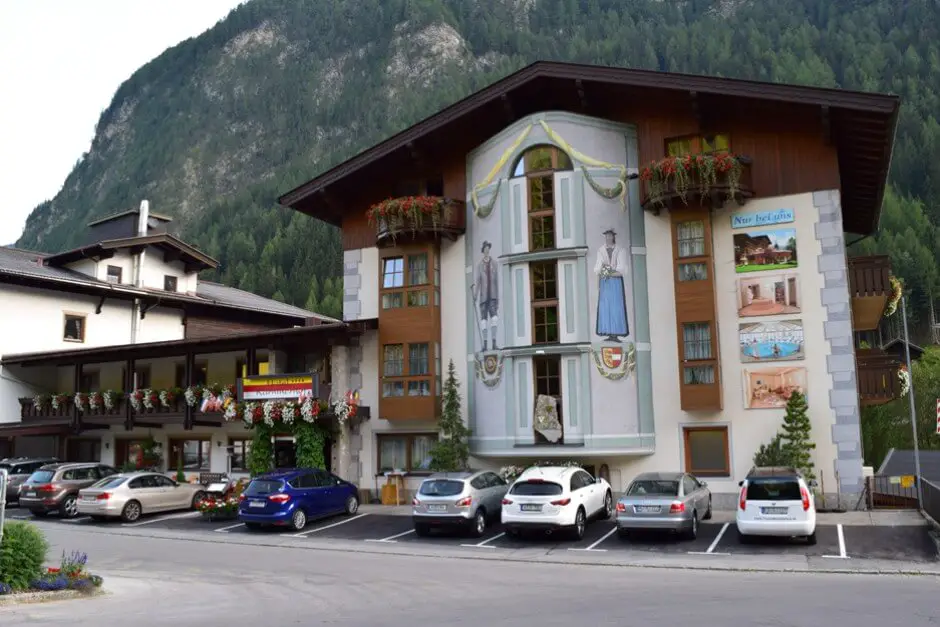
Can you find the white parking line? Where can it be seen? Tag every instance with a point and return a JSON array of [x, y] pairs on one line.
[[391, 539], [303, 534], [483, 544], [226, 529], [842, 554], [162, 518], [591, 548], [711, 548]]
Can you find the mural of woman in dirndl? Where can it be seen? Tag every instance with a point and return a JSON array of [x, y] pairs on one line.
[[610, 266]]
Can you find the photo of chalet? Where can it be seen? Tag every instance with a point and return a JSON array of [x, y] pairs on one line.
[[766, 250]]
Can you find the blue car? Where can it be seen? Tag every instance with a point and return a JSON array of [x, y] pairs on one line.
[[291, 497]]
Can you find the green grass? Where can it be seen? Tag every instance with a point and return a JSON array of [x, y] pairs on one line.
[[770, 266]]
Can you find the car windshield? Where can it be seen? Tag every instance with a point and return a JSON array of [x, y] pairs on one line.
[[649, 487], [536, 488], [110, 482], [261, 487], [41, 476], [441, 487], [773, 489]]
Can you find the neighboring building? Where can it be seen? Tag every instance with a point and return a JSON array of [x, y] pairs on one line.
[[125, 312], [628, 332]]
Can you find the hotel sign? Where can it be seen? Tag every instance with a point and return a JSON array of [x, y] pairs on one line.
[[761, 218], [278, 387]]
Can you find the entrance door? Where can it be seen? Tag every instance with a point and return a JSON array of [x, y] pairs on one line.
[[285, 454]]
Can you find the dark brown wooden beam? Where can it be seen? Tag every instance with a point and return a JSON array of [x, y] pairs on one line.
[[76, 388], [826, 125], [100, 305], [697, 110], [417, 157], [582, 96], [188, 367], [508, 108], [128, 388], [251, 362]]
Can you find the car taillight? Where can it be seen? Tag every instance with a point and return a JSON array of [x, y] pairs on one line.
[[507, 502], [241, 497], [45, 488], [742, 503], [104, 496], [805, 495], [415, 502], [561, 502], [464, 502], [677, 507], [621, 507], [279, 498]]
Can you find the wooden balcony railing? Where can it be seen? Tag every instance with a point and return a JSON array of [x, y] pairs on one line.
[[450, 222], [877, 375], [870, 276], [696, 193], [29, 408]]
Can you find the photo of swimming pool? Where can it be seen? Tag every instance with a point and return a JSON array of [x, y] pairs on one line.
[[771, 341]]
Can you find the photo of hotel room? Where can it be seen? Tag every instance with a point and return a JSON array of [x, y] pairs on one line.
[[770, 388], [769, 295]]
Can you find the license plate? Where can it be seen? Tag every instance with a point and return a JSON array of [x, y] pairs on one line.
[[29, 493], [256, 504], [530, 508], [773, 511], [648, 509], [437, 508], [89, 499]]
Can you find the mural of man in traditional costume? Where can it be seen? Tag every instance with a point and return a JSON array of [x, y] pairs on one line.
[[610, 267], [486, 296]]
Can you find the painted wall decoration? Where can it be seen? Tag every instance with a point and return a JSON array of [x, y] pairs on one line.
[[771, 387], [485, 291], [610, 266], [758, 250], [769, 295], [771, 341], [761, 218]]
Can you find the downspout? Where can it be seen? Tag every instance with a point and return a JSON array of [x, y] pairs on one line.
[[138, 263]]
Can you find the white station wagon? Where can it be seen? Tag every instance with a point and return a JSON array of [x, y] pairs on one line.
[[776, 502], [551, 498]]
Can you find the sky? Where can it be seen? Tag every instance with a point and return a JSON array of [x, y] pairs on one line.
[[61, 61]]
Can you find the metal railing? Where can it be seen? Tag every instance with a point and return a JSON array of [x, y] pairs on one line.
[[886, 492], [931, 496]]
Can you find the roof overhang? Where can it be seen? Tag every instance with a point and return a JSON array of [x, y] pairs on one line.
[[298, 338], [861, 126], [174, 249]]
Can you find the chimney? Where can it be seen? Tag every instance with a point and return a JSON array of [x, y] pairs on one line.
[[143, 218]]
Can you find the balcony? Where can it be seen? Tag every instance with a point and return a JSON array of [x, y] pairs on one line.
[[870, 288], [416, 219], [877, 374], [662, 189]]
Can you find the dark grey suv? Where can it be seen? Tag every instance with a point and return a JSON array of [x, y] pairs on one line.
[[54, 487], [19, 469]]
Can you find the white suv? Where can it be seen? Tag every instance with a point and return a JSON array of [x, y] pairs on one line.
[[550, 498], [776, 502]]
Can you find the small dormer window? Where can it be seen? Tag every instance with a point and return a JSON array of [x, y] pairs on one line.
[[115, 273], [169, 283]]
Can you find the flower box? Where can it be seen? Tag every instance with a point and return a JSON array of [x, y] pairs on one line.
[[707, 179], [417, 218]]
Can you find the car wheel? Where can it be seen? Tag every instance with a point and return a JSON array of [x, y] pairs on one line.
[[479, 523], [299, 520], [131, 511], [708, 512], [352, 505], [811, 539], [692, 532], [252, 526], [69, 508], [422, 530], [198, 497], [580, 522], [608, 507]]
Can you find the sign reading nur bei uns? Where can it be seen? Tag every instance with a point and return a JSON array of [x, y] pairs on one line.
[[761, 218]]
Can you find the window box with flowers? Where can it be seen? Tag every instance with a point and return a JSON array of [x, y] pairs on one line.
[[706, 178], [417, 217]]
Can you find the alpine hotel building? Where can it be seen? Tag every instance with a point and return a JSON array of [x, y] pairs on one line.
[[599, 309]]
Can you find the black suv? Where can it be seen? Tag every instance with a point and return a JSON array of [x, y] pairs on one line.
[[19, 469]]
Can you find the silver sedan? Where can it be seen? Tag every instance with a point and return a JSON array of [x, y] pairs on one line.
[[130, 495], [670, 501]]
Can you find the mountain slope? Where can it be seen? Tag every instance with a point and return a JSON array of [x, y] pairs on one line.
[[216, 127]]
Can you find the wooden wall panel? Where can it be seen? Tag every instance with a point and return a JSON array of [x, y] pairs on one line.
[[198, 327]]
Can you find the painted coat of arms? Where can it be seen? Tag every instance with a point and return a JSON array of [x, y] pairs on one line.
[[615, 362], [489, 368]]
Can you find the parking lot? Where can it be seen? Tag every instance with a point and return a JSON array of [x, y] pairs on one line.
[[908, 543]]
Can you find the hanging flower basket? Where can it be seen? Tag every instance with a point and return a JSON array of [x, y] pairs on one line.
[[677, 177], [414, 215], [897, 289], [904, 378]]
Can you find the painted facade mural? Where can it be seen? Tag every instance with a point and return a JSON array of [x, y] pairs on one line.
[[486, 297], [610, 267], [771, 341]]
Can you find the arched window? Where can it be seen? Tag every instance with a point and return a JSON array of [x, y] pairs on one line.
[[538, 164]]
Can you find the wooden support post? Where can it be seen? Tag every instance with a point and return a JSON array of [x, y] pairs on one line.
[[76, 388], [188, 381], [128, 388], [251, 362]]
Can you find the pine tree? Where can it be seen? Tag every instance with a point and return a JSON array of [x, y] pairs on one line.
[[796, 436], [772, 453], [452, 451]]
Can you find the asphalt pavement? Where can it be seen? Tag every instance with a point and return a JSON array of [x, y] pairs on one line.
[[156, 581]]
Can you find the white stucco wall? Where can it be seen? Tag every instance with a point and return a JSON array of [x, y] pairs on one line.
[[153, 272]]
